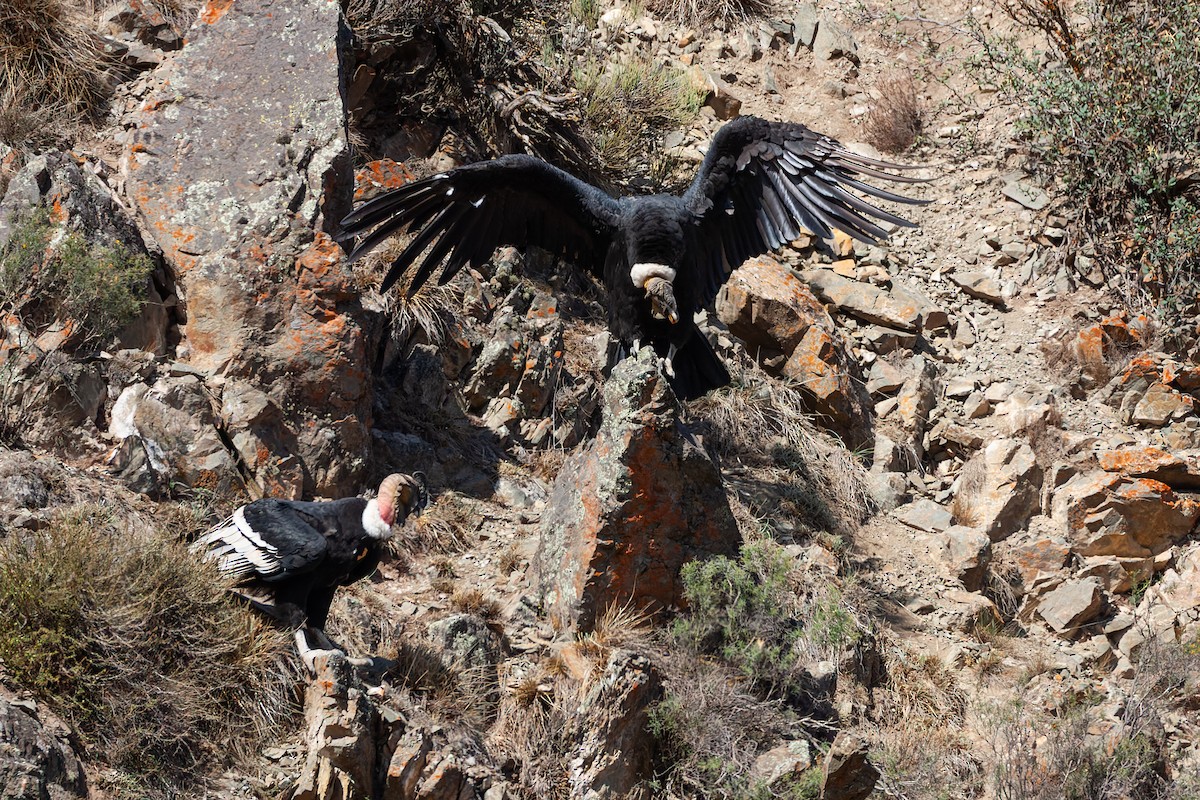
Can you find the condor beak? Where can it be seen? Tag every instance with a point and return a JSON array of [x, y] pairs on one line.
[[662, 300]]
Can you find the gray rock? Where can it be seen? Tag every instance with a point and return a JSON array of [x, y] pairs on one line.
[[979, 285], [865, 301], [1000, 489], [614, 754], [36, 759], [833, 41], [967, 553], [468, 643], [1072, 604], [1026, 194], [175, 423], [781, 765], [848, 775], [925, 515], [243, 227], [804, 25]]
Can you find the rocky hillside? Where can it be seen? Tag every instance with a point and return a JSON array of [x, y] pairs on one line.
[[938, 539]]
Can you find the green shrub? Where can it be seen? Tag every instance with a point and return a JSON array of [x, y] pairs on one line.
[[1115, 121], [748, 612], [628, 106], [140, 647], [47, 278]]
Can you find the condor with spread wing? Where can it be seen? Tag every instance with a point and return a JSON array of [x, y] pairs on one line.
[[661, 258], [301, 552]]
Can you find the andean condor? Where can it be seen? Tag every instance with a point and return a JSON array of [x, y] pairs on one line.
[[301, 552], [661, 258]]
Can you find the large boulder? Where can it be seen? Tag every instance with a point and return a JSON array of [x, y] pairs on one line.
[[629, 511], [766, 305], [786, 328], [1108, 514], [238, 167]]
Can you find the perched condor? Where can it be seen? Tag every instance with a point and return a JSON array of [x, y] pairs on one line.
[[661, 258], [300, 553]]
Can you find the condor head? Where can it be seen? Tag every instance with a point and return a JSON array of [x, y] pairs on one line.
[[399, 496]]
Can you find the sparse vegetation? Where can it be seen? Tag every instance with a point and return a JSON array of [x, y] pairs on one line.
[[140, 647], [1111, 114], [897, 117], [709, 729], [749, 612], [706, 12], [50, 277], [628, 105], [791, 472]]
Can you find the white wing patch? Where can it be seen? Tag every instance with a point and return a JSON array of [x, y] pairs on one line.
[[238, 549]]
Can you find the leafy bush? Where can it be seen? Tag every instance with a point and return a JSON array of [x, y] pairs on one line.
[[1115, 121], [47, 277], [140, 647]]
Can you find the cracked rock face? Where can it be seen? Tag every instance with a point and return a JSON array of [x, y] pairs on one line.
[[626, 513], [238, 167], [35, 761]]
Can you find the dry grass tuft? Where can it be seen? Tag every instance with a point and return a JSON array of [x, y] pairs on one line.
[[509, 559], [898, 116], [140, 647], [431, 315], [444, 528], [620, 626], [761, 425], [919, 690], [706, 12], [470, 600], [536, 727], [710, 729], [51, 64], [965, 507]]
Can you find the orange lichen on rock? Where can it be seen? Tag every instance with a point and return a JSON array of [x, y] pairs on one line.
[[380, 176], [213, 11], [1134, 460]]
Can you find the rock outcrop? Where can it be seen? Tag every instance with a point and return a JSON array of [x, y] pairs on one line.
[[626, 513], [240, 190]]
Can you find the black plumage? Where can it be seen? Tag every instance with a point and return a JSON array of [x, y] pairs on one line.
[[661, 258], [301, 552]]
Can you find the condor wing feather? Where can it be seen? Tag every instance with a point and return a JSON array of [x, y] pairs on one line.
[[460, 217], [267, 539], [762, 181]]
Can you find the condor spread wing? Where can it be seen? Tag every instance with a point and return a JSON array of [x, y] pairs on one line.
[[463, 215], [761, 181], [266, 539]]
